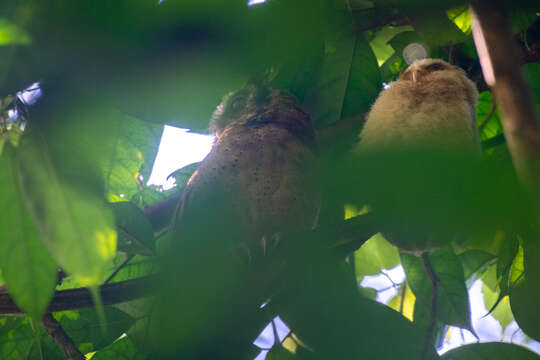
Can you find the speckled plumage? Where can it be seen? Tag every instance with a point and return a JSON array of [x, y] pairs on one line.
[[432, 103], [262, 170]]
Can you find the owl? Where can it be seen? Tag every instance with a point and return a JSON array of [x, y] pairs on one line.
[[259, 181], [432, 106], [432, 103], [262, 168]]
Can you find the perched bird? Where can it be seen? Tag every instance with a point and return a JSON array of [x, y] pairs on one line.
[[258, 182], [263, 163], [432, 106], [432, 103]]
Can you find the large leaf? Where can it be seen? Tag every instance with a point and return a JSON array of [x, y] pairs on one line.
[[502, 311], [131, 152], [133, 228], [490, 351], [83, 327], [27, 268], [474, 261], [453, 299], [74, 223], [379, 43], [436, 28], [374, 255], [524, 296], [348, 81]]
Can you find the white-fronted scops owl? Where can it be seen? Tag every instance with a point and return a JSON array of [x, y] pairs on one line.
[[432, 103], [430, 109], [259, 181]]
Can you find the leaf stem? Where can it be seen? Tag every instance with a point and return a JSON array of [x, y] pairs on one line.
[[434, 299]]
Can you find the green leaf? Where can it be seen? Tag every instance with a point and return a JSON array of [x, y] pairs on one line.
[[138, 266], [507, 253], [182, 175], [401, 40], [16, 339], [74, 223], [490, 351], [526, 292], [532, 72], [461, 17], [131, 152], [490, 122], [379, 44], [122, 349], [453, 299], [83, 327], [12, 34], [474, 261], [523, 17], [348, 81], [374, 255], [279, 353], [135, 235], [502, 312], [28, 270], [435, 27]]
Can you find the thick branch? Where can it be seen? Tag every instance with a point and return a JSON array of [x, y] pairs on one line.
[[72, 299], [59, 336], [501, 65]]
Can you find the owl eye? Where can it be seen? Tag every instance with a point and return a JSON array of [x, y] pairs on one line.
[[435, 67]]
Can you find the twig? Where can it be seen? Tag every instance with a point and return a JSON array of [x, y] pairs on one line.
[[489, 114], [59, 336], [434, 298], [394, 285]]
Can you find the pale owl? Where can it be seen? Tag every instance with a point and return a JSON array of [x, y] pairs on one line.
[[432, 103], [431, 108]]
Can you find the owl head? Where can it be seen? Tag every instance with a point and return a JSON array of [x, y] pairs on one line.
[[257, 105], [238, 106], [437, 77]]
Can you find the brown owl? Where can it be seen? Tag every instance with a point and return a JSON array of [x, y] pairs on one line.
[[262, 167], [258, 182], [432, 106], [432, 103]]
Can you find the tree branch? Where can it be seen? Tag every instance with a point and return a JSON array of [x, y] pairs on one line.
[[340, 239], [61, 338], [501, 61], [81, 298]]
